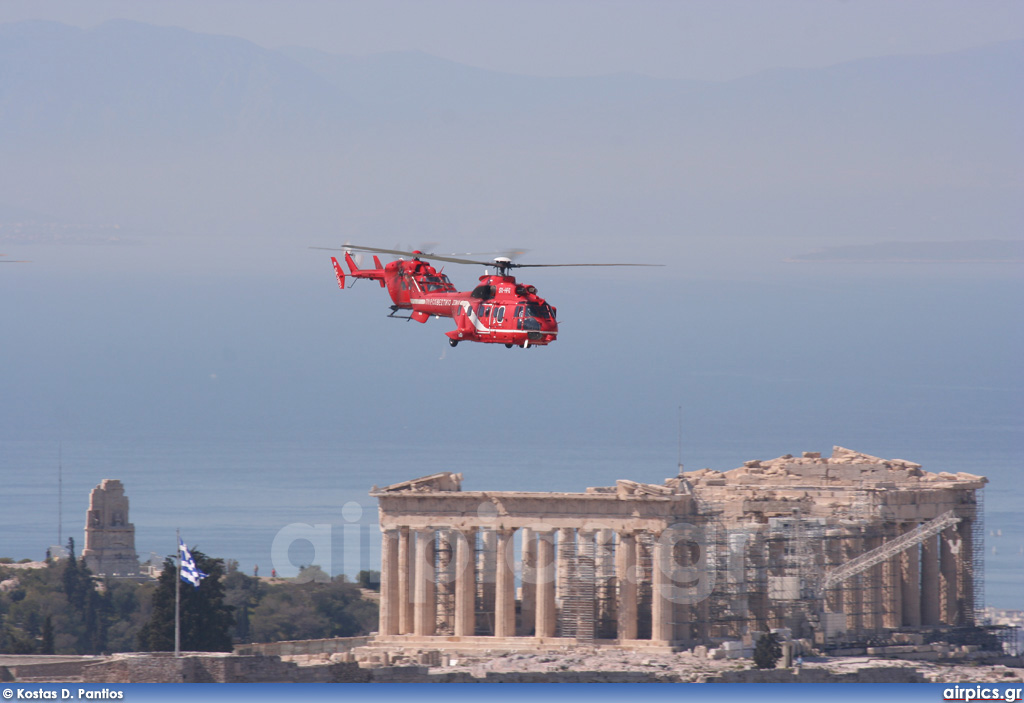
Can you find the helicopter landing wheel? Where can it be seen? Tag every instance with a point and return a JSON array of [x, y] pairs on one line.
[[453, 342], [509, 345]]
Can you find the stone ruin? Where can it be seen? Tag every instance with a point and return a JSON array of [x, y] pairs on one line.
[[109, 537], [840, 549]]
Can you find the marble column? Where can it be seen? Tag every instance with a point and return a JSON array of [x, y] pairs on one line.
[[949, 551], [892, 592], [445, 553], [405, 571], [965, 573], [737, 584], [389, 601], [758, 619], [853, 596], [873, 577], [546, 615], [910, 562], [528, 609], [424, 589], [604, 580], [584, 592], [505, 586], [930, 600], [465, 583], [661, 603], [625, 572], [487, 562], [566, 555], [833, 559], [691, 618]]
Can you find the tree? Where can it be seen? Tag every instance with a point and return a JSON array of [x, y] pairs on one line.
[[46, 646], [76, 578], [206, 620], [84, 619], [127, 606], [62, 609], [767, 652], [243, 593], [312, 610], [312, 573], [369, 580]]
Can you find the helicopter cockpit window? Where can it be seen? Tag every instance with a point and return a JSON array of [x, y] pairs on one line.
[[434, 283], [541, 312]]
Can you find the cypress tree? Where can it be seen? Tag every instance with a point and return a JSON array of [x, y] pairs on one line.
[[46, 647], [767, 652], [205, 619]]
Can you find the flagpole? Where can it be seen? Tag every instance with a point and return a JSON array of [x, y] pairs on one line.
[[177, 600]]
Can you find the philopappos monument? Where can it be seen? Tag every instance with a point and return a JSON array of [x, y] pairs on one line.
[[109, 537]]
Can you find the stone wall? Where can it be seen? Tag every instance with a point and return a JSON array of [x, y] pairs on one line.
[[291, 648], [25, 667], [216, 668], [875, 674], [420, 674]]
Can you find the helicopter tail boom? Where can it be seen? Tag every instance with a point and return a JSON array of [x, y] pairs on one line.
[[374, 274]]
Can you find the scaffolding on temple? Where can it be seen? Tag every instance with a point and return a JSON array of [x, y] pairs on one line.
[[579, 599]]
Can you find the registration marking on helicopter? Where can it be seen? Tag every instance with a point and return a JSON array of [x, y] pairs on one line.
[[434, 301]]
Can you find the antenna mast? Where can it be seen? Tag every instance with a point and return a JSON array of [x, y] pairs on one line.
[[680, 440], [60, 494]]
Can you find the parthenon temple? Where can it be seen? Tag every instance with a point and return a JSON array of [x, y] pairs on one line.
[[843, 548]]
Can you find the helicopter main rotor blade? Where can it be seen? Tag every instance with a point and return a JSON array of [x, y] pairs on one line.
[[399, 252], [458, 260], [521, 266], [505, 253]]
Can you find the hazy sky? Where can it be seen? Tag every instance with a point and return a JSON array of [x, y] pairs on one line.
[[188, 305], [702, 39]]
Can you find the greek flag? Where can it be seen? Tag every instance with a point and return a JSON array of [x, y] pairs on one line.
[[189, 571]]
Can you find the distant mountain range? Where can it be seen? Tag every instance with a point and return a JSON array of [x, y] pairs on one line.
[[134, 121], [125, 79]]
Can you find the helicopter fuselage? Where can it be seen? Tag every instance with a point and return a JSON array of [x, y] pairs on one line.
[[498, 310]]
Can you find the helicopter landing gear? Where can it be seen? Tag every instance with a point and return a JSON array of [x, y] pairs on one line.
[[509, 345], [453, 342]]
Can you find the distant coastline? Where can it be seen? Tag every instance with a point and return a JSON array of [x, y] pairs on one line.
[[992, 251]]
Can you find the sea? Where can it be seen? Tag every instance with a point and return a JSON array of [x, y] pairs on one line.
[[275, 504], [254, 412]]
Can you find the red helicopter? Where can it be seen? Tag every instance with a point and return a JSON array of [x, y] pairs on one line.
[[497, 311]]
